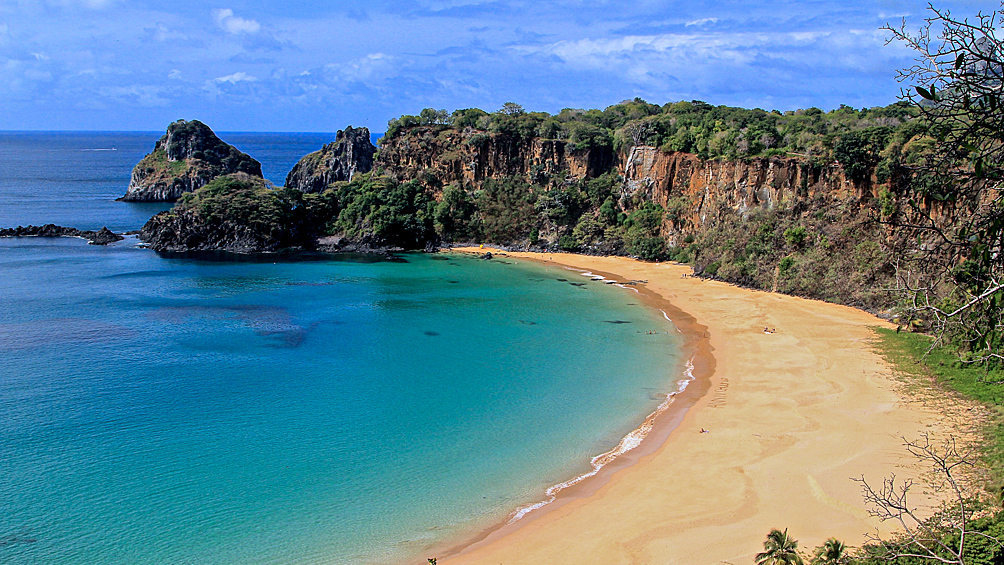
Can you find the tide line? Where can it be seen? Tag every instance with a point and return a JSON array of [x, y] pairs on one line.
[[629, 442]]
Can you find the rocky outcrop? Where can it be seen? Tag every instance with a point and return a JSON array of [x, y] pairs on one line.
[[351, 152], [104, 236], [238, 212], [447, 156], [185, 159], [189, 231]]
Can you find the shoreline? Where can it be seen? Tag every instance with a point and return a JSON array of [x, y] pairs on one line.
[[699, 366], [791, 416]]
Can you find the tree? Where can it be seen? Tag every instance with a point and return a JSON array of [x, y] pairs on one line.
[[779, 549], [956, 274], [512, 109], [832, 552], [942, 538]]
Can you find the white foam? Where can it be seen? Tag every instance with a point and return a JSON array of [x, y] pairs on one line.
[[665, 315], [627, 443]]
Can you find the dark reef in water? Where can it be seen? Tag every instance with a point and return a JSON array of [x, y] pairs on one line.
[[103, 236]]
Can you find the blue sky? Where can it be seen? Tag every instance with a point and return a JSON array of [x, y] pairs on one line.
[[273, 65]]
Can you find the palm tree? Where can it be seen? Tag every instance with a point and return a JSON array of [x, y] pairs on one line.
[[779, 549], [833, 552]]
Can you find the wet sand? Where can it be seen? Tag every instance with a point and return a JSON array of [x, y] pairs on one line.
[[790, 416]]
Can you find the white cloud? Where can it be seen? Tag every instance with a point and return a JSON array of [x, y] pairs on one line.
[[369, 67], [235, 78], [141, 94], [40, 56], [703, 21], [174, 74], [160, 32], [227, 21]]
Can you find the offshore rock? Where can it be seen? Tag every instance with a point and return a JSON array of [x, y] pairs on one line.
[[351, 152], [185, 159], [104, 236]]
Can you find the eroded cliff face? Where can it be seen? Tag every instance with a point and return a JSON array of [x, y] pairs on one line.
[[185, 159], [449, 156], [692, 189], [351, 152]]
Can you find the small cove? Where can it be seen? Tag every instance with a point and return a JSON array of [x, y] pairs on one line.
[[300, 410]]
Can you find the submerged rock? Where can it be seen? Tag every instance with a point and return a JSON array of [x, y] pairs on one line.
[[103, 236], [185, 159], [351, 152]]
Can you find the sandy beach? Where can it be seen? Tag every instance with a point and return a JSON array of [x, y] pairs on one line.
[[790, 416]]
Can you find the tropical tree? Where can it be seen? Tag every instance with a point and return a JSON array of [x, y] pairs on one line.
[[779, 549], [832, 552]]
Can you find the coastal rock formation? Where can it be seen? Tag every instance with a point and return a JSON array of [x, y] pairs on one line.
[[104, 236], [693, 189], [188, 231], [238, 213], [186, 158], [470, 156], [351, 152]]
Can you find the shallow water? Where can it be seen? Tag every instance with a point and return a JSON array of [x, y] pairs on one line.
[[314, 409]]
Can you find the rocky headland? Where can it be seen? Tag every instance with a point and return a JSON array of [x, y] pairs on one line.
[[799, 202], [185, 158], [103, 236]]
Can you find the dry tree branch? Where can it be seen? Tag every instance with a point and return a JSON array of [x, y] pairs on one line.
[[927, 537]]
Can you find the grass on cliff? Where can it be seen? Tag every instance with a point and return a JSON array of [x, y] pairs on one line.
[[908, 352], [158, 161]]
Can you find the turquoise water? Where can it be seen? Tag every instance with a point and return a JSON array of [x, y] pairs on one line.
[[309, 409]]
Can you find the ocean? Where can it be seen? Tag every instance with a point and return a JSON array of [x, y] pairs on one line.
[[220, 409]]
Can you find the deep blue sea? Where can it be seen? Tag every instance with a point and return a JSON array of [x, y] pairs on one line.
[[310, 409]]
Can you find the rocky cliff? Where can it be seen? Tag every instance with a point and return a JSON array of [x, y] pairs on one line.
[[445, 155], [351, 152], [186, 158], [692, 189]]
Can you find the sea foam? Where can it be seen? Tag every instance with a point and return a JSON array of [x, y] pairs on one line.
[[632, 440]]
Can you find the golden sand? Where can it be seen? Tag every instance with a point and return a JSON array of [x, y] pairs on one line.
[[791, 417]]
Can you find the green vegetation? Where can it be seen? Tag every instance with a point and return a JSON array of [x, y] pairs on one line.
[[957, 191], [266, 213], [389, 212], [824, 250], [157, 162], [856, 138], [195, 140], [779, 549], [912, 355]]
